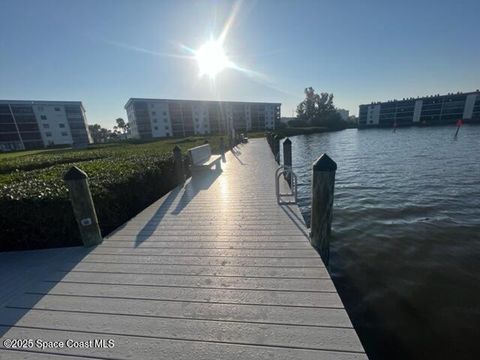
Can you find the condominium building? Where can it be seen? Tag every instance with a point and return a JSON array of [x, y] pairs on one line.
[[37, 124], [155, 118], [428, 110]]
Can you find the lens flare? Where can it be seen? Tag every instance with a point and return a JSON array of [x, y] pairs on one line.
[[211, 58]]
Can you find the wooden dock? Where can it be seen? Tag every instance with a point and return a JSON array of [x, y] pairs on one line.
[[213, 270]]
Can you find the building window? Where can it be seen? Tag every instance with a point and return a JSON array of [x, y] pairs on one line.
[[154, 120], [46, 126], [167, 133], [43, 117], [164, 113], [57, 109], [61, 125], [156, 127], [48, 134], [64, 133], [154, 113], [165, 120]]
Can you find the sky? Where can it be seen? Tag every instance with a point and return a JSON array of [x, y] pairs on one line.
[[104, 52]]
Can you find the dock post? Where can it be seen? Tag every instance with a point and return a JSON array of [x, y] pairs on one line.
[[323, 183], [287, 159], [222, 149], [178, 163], [83, 207], [276, 148]]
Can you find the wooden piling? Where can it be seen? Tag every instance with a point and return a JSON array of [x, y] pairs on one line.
[[83, 207], [287, 159], [276, 148], [323, 184], [178, 164], [222, 149]]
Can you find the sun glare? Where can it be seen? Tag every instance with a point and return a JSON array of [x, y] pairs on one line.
[[211, 58]]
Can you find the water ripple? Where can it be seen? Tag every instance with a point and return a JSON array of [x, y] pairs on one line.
[[406, 235]]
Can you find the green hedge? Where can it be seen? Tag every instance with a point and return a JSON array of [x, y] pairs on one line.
[[36, 212]]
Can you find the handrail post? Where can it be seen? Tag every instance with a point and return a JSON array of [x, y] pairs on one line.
[[323, 184], [83, 206], [287, 159], [178, 164]]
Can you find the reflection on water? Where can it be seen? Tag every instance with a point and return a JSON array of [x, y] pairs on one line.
[[405, 250]]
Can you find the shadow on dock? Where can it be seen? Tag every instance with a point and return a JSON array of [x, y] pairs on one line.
[[296, 220], [157, 217], [35, 273], [189, 190]]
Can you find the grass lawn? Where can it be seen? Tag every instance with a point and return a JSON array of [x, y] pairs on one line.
[[41, 159], [14, 154]]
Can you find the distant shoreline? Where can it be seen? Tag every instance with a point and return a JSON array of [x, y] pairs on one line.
[[294, 131], [466, 122]]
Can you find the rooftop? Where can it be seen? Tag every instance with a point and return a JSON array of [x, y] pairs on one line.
[[198, 101], [423, 97], [41, 102]]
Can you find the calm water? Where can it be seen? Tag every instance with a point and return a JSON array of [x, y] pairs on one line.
[[405, 250]]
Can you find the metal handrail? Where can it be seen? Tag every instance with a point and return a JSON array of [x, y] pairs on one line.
[[287, 172]]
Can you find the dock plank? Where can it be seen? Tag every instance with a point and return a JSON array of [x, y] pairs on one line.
[[253, 272], [217, 282], [143, 347], [304, 337], [333, 317]]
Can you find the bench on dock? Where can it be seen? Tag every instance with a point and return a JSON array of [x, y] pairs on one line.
[[201, 158]]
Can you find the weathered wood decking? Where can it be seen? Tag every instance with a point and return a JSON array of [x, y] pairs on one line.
[[214, 270]]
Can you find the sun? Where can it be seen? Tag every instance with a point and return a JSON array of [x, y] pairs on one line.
[[211, 58]]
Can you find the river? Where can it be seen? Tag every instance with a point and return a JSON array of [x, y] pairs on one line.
[[405, 246]]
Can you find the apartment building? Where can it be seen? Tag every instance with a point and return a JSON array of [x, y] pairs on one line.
[[428, 110], [156, 118], [37, 124]]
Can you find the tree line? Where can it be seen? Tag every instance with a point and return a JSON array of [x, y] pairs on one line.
[[317, 110], [100, 134]]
